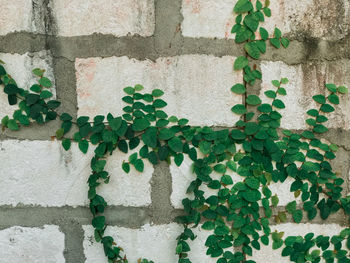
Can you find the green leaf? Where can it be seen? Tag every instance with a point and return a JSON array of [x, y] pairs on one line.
[[226, 179], [126, 167], [263, 33], [4, 121], [150, 137], [38, 72], [253, 100], [319, 128], [278, 104], [99, 222], [12, 125], [45, 94], [312, 112], [284, 81], [343, 90], [53, 104], [297, 216], [23, 119], [162, 123], [333, 98], [291, 207], [115, 123], [158, 103], [139, 165], [138, 87], [157, 93], [83, 146], [277, 33], [173, 119], [123, 146], [270, 94], [251, 21], [252, 49], [32, 99], [311, 167], [178, 249], [183, 122], [319, 99], [264, 240], [333, 147], [274, 200], [238, 89], [261, 44], [267, 11], [252, 195], [60, 133], [166, 134], [221, 230], [275, 42], [265, 108], [107, 136], [252, 182], [331, 87], [129, 90], [240, 63], [243, 6], [66, 117], [243, 34], [140, 124], [178, 159], [175, 144], [209, 225], [45, 82], [327, 108], [251, 128], [276, 83], [66, 143], [239, 109], [285, 42], [36, 88]]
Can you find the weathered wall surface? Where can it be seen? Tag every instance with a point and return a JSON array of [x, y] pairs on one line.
[[92, 50]]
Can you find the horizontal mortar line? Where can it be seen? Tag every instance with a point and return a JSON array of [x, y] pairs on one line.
[[11, 135], [121, 216], [100, 45], [36, 216]]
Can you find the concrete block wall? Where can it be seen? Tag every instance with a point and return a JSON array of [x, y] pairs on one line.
[[92, 50]]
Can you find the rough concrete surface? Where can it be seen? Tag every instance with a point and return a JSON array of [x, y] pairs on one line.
[[92, 50]]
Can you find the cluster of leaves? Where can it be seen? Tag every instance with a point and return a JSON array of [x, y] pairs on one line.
[[241, 210], [33, 105], [246, 29]]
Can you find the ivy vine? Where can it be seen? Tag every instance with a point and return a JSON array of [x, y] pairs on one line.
[[240, 213]]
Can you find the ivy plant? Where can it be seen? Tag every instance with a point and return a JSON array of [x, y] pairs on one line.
[[240, 212]]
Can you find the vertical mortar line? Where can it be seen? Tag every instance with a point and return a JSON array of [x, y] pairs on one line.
[[167, 35], [73, 239], [63, 70], [161, 210]]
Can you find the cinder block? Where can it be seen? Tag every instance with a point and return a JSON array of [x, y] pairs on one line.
[[197, 87], [43, 173], [154, 242], [20, 68], [319, 19], [306, 81], [208, 18], [119, 18], [16, 16], [25, 244], [267, 254]]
